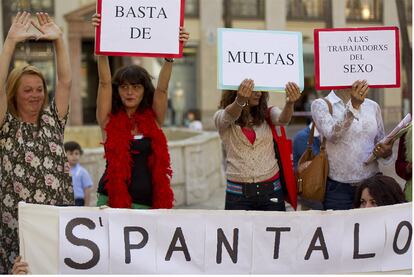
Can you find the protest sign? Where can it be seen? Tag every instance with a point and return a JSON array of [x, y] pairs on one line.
[[140, 27], [75, 240], [270, 58], [344, 55]]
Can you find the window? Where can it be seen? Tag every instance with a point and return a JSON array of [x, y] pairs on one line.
[[305, 9], [30, 5], [252, 9], [191, 8], [364, 10]]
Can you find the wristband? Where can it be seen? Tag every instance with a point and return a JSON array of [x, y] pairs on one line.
[[240, 105], [169, 60]]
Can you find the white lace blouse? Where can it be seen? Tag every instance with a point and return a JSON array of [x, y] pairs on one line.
[[351, 136]]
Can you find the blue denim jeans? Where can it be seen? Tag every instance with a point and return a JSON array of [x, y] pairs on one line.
[[256, 203], [338, 196]]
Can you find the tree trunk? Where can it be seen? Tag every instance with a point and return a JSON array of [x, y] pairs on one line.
[[406, 48]]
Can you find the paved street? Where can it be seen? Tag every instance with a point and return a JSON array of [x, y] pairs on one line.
[[216, 200]]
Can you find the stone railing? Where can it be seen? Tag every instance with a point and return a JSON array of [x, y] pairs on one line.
[[196, 159]]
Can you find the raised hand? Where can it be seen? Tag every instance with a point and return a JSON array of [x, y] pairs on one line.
[[96, 20], [184, 35], [48, 28], [245, 92], [358, 93], [292, 92], [20, 267], [19, 29]]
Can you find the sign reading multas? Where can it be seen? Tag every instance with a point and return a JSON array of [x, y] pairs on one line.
[[345, 55], [270, 58]]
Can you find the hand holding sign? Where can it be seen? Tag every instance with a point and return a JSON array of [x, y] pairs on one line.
[[184, 36], [244, 92], [358, 93], [292, 92]]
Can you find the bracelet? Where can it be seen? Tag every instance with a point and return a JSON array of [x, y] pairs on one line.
[[240, 105], [169, 60]]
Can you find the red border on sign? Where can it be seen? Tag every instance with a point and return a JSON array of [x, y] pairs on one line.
[[317, 64], [158, 55]]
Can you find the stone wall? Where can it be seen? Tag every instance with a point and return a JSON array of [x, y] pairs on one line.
[[196, 159]]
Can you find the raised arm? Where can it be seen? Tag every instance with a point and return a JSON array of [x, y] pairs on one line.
[[104, 99], [292, 95], [18, 32], [224, 118], [50, 31], [160, 102]]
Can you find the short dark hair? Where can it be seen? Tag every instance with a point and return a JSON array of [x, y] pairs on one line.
[[72, 146], [132, 75], [384, 189]]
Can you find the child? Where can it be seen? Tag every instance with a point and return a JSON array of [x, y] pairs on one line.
[[81, 180]]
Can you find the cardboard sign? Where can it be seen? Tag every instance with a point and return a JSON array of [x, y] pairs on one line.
[[345, 55], [86, 240], [140, 28], [270, 58]]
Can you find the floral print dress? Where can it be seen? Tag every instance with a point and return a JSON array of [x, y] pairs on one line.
[[34, 169]]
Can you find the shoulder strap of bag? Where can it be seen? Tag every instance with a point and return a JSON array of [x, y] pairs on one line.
[[310, 141]]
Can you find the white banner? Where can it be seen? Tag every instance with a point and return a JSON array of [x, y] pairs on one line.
[[345, 55], [74, 240], [140, 27], [270, 58]]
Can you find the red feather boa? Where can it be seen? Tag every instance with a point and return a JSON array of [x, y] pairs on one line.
[[117, 153]]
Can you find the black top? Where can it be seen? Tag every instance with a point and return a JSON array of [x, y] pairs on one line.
[[140, 187]]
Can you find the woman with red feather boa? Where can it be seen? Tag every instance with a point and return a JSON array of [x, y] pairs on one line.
[[130, 112]]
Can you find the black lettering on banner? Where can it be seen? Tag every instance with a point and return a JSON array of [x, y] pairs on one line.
[[356, 68], [119, 11], [137, 33], [356, 246], [221, 239], [178, 236], [277, 231], [257, 58], [127, 243], [397, 234], [233, 59], [140, 12], [290, 58], [312, 246], [82, 242], [268, 56], [162, 12], [280, 58]]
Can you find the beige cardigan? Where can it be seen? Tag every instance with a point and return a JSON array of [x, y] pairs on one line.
[[246, 162]]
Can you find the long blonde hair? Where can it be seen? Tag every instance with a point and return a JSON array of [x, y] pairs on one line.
[[13, 82]]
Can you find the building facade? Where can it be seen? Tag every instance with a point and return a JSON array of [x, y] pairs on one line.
[[193, 85]]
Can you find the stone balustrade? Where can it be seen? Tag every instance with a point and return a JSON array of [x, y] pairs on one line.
[[196, 159]]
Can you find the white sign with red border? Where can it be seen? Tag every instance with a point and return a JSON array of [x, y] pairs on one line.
[[148, 28], [344, 55]]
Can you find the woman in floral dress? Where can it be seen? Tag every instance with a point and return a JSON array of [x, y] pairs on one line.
[[33, 165]]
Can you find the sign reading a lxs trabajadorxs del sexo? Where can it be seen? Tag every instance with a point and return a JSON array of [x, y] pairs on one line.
[[140, 27], [345, 55], [270, 58]]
